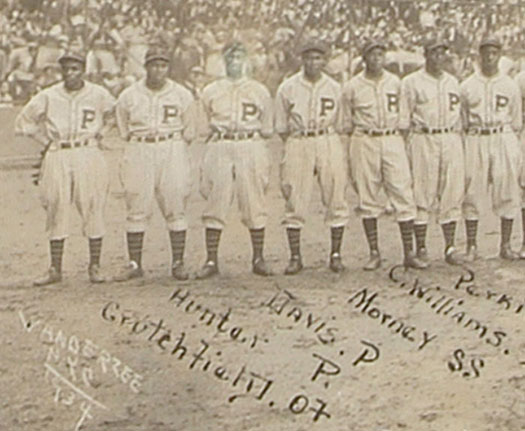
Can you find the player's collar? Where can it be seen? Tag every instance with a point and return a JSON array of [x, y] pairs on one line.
[[165, 88], [432, 77], [74, 93], [237, 82], [308, 83], [383, 77], [489, 78]]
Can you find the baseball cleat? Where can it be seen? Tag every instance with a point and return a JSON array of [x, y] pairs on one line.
[[374, 261], [178, 271], [336, 263], [209, 269], [131, 271], [472, 254], [522, 252], [412, 261], [294, 266], [452, 256], [259, 267], [507, 253], [94, 274], [51, 277], [422, 255]]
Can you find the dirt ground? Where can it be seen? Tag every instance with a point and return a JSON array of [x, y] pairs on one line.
[[360, 351]]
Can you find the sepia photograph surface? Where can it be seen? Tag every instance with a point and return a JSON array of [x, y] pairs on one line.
[[252, 215]]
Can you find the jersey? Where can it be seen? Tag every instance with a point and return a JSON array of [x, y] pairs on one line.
[[372, 104], [301, 105], [430, 102], [488, 102], [238, 106], [68, 116], [142, 112]]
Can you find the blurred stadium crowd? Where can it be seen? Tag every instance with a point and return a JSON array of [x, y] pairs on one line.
[[116, 34]]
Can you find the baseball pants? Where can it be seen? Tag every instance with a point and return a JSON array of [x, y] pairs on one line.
[[76, 176], [235, 168], [156, 171], [378, 162], [438, 173], [307, 157], [492, 160]]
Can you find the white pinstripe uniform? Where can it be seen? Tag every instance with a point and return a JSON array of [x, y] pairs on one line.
[[311, 114], [156, 162], [236, 162], [492, 116], [377, 152], [74, 169], [520, 80], [430, 108]]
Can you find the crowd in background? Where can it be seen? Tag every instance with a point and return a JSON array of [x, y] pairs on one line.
[[116, 33]]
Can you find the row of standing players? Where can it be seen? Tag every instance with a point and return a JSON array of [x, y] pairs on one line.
[[430, 144]]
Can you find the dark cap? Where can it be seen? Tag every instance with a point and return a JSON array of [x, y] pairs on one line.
[[156, 52], [314, 45], [371, 44], [73, 54], [490, 41], [432, 44], [232, 47]]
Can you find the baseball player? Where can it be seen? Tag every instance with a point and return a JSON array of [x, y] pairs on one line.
[[430, 109], [236, 163], [69, 118], [377, 152], [154, 116], [491, 105], [308, 119], [520, 80]]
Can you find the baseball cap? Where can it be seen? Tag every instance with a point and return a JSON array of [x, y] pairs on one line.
[[432, 44], [73, 54], [156, 52], [233, 46], [313, 45], [371, 44], [490, 41]]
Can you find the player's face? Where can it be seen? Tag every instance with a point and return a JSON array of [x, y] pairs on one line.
[[490, 56], [313, 62], [72, 72], [436, 58], [234, 62], [375, 59], [157, 72]]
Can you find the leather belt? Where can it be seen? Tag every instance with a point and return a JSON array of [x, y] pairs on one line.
[[378, 132], [151, 139], [313, 133], [484, 131], [437, 131], [236, 136], [73, 144]]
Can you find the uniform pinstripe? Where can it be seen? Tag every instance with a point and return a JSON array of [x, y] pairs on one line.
[[75, 175], [302, 106], [158, 170], [493, 159], [235, 166], [437, 160], [377, 162]]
